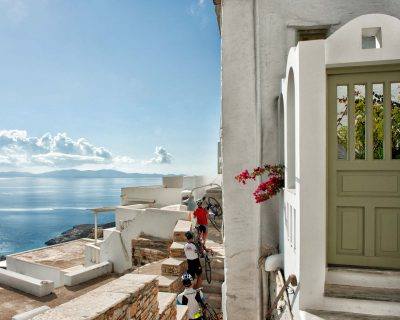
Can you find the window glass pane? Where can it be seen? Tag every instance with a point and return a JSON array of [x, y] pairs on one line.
[[377, 116], [395, 90], [342, 121], [359, 121]]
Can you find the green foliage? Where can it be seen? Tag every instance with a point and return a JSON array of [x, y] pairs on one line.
[[378, 127]]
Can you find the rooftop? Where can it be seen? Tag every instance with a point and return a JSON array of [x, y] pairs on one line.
[[61, 256]]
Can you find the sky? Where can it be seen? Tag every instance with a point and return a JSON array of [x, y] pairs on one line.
[[130, 85]]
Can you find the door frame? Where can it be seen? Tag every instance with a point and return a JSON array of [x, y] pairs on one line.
[[331, 72]]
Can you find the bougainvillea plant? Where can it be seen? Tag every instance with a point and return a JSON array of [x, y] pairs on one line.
[[269, 188]]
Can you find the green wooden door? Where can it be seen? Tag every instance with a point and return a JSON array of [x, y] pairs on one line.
[[364, 168]]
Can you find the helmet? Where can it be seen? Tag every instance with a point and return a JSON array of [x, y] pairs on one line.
[[199, 202], [187, 279], [189, 235]]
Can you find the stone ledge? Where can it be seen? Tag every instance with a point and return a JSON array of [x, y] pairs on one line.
[[172, 266], [181, 227], [167, 306], [133, 296], [27, 284], [84, 274], [182, 313], [177, 250]]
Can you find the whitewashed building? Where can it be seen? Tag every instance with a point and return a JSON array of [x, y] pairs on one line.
[[313, 85]]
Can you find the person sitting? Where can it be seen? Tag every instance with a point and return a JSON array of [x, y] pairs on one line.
[[193, 261], [192, 298]]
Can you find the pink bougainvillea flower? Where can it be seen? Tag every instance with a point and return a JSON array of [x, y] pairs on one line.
[[266, 189], [243, 176]]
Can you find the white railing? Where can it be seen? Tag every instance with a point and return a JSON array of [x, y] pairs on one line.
[[290, 213]]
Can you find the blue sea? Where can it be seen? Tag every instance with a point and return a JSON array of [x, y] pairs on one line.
[[34, 210]]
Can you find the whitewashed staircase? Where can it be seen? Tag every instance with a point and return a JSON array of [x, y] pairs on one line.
[[352, 293]]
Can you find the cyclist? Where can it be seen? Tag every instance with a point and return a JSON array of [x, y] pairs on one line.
[[201, 216], [192, 298], [192, 257]]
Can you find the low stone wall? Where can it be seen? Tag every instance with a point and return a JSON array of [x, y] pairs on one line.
[[133, 296], [148, 249], [167, 305]]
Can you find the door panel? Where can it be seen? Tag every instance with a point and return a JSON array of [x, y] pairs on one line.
[[387, 231], [350, 230], [364, 168]]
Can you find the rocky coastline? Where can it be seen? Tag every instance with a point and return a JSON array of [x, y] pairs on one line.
[[79, 231]]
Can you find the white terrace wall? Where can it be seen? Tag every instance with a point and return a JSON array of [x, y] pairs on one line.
[[162, 196], [151, 221], [35, 270], [256, 38], [131, 222]]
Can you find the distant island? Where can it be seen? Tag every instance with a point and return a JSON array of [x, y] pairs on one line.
[[73, 173]]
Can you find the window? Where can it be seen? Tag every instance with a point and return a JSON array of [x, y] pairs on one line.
[[395, 115], [311, 34], [372, 38], [342, 123]]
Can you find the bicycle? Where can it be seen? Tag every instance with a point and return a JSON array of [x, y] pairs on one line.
[[204, 254], [207, 267], [215, 212], [208, 312]]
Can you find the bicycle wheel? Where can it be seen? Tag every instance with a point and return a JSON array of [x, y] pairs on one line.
[[207, 267], [214, 206], [215, 224]]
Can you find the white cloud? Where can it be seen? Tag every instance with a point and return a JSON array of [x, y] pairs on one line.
[[17, 149], [195, 7], [161, 156]]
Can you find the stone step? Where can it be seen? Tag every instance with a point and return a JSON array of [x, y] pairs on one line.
[[181, 227], [166, 306], [214, 300], [173, 266], [331, 315], [217, 275], [31, 313], [182, 312], [170, 284], [363, 277], [177, 250], [217, 262], [142, 256], [363, 293], [213, 287], [150, 242]]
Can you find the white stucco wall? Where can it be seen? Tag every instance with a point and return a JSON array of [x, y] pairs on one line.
[[240, 150], [151, 221], [162, 196], [256, 38], [35, 270], [312, 172], [344, 48], [131, 222], [117, 251]]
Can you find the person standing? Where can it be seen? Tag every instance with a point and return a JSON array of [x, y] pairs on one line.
[[192, 298], [193, 260]]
